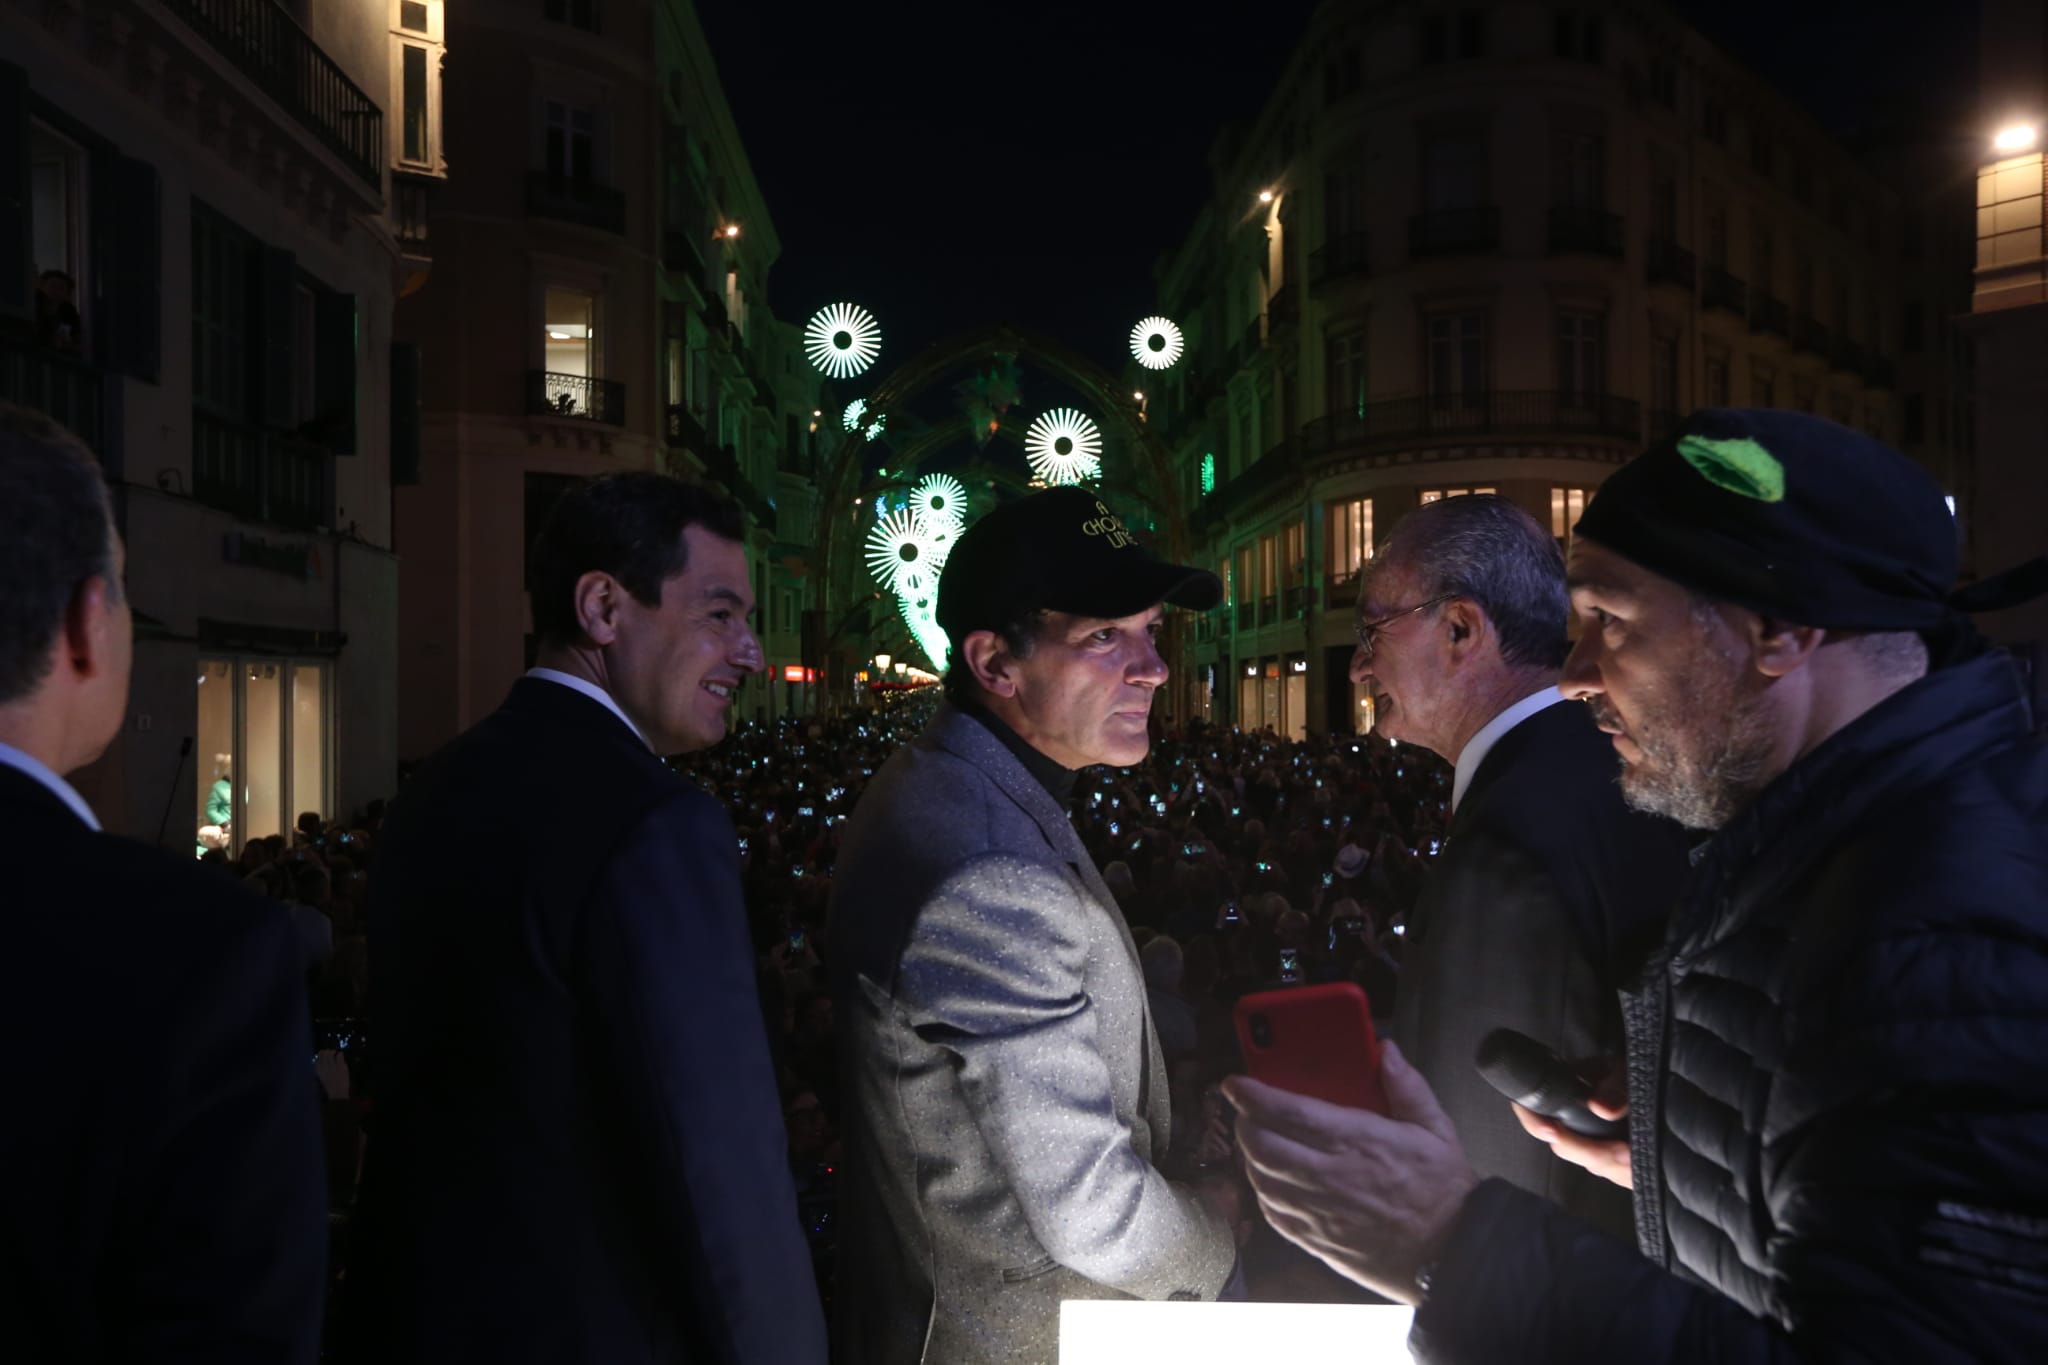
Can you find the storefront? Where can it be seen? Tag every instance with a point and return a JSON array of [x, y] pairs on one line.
[[264, 746]]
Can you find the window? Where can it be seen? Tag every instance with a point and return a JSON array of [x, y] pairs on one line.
[[1913, 332], [1664, 196], [412, 16], [1269, 569], [1717, 230], [1761, 157], [1764, 257], [569, 342], [1436, 38], [1664, 82], [1223, 572], [1349, 540], [417, 49], [1442, 39], [1343, 202], [1714, 120], [263, 728], [1580, 37], [570, 141], [221, 315], [1663, 379], [1802, 284], [1578, 166], [575, 13], [1454, 169], [1345, 356], [1567, 505], [1581, 358], [1715, 378], [1343, 75], [413, 102], [57, 227], [1763, 387], [1457, 359], [1430, 495]]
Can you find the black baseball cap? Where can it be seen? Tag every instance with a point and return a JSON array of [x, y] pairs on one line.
[[1059, 550]]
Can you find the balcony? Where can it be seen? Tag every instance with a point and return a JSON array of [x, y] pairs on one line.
[[1338, 258], [684, 430], [1269, 610], [1284, 308], [63, 388], [572, 200], [1449, 232], [574, 395], [1293, 603], [1809, 335], [1340, 591], [268, 47], [1719, 289], [259, 476], [722, 465], [1584, 231], [1399, 421], [1247, 615], [1666, 262], [413, 209], [1767, 314], [681, 254]]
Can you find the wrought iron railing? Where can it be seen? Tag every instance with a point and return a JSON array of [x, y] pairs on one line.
[[1293, 602], [413, 207], [268, 46], [575, 395], [1719, 289], [1247, 615], [685, 430], [1349, 254], [63, 388], [259, 476], [572, 200], [1574, 227], [1666, 262], [1481, 412], [1442, 232]]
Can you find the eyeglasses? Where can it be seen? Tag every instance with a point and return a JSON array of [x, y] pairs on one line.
[[1366, 630]]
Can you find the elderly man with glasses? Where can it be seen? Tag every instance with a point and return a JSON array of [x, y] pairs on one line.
[[1549, 890]]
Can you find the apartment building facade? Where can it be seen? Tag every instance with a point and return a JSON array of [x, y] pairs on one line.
[[1498, 248]]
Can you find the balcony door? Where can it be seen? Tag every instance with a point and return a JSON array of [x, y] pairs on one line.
[[264, 736], [569, 344], [1457, 368]]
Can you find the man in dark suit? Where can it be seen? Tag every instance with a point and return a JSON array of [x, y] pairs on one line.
[[164, 1197], [578, 1149], [1549, 890]]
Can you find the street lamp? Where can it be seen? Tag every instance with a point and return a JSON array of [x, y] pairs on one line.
[[2020, 137], [881, 663], [1265, 196]]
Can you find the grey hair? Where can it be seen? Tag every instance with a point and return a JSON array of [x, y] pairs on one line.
[[1483, 547]]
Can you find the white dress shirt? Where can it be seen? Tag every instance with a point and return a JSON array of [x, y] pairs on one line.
[[592, 691], [25, 763], [1480, 745]]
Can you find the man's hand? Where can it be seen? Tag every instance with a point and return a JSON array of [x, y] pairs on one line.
[[1372, 1196], [1604, 1157]]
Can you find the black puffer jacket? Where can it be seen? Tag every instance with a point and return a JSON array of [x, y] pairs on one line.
[[1852, 1137]]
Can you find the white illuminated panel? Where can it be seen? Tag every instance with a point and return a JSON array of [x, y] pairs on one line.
[[900, 554], [1156, 343], [842, 340], [1063, 446], [939, 501], [850, 419], [1123, 1331]]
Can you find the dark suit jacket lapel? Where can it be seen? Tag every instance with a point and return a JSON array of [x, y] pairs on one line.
[[17, 788]]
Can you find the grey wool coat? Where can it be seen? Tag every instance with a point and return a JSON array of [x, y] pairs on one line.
[[1006, 1095]]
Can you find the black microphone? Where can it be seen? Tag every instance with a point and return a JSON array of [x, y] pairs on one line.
[[1536, 1078]]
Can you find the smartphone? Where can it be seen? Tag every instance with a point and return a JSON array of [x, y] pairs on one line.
[[1316, 1041], [796, 940], [1230, 915], [1290, 965], [1329, 878]]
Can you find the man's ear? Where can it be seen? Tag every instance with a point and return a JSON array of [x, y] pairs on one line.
[[1778, 648], [599, 598], [1465, 621], [989, 663], [88, 621]]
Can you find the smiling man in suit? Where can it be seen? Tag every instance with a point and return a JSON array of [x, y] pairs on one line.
[[165, 1198], [1007, 1093], [578, 1150]]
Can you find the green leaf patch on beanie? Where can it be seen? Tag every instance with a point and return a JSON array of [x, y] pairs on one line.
[[1737, 464]]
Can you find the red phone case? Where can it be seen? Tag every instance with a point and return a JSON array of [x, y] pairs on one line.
[[1319, 1041]]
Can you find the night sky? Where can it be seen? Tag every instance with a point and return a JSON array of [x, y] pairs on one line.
[[953, 165]]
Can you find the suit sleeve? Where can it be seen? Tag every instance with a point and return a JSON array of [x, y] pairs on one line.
[[994, 973], [232, 1259], [1903, 1175], [667, 972]]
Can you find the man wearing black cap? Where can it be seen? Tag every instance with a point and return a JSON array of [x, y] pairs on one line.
[[1007, 1091], [1841, 1116]]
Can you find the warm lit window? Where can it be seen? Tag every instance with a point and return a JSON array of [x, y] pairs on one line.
[[1349, 539], [1567, 505], [1293, 554], [263, 739], [417, 46], [1430, 495]]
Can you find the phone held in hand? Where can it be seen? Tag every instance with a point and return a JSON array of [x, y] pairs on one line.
[[1316, 1041]]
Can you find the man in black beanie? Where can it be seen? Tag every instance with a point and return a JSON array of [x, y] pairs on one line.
[[1840, 1143]]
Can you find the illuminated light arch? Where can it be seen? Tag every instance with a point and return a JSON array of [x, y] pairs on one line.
[[1156, 343], [940, 500], [1063, 446], [842, 339], [921, 615]]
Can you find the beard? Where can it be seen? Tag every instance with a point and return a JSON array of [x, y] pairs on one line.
[[1706, 747]]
